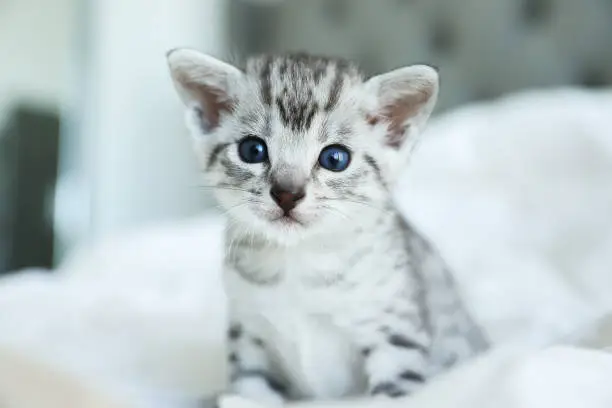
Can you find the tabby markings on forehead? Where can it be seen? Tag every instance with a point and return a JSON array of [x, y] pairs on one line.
[[300, 74], [336, 88], [266, 86], [296, 115]]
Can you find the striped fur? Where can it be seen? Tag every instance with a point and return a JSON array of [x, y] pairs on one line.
[[344, 297]]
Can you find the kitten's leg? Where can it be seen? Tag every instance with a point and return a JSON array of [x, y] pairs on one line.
[[250, 368], [395, 356]]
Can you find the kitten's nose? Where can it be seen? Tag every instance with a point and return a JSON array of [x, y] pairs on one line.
[[286, 198]]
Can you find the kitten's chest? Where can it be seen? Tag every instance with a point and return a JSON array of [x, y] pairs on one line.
[[305, 320], [287, 285], [333, 285]]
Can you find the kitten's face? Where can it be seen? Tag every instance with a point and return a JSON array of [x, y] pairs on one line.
[[295, 145]]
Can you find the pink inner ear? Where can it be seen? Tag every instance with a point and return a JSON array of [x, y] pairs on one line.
[[212, 102], [400, 111]]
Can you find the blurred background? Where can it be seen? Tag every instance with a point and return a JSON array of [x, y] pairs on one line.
[[91, 133]]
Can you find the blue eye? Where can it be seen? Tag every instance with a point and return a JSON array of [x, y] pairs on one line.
[[252, 150], [335, 158]]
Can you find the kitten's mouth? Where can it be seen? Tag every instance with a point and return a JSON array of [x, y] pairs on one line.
[[287, 219]]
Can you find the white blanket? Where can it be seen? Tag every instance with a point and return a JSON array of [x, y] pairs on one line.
[[517, 195]]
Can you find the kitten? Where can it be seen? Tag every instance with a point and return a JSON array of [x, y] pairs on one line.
[[332, 293]]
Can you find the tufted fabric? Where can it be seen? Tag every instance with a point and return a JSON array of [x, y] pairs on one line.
[[484, 48]]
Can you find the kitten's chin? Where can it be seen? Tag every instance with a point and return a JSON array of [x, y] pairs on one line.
[[274, 228], [279, 233], [286, 229]]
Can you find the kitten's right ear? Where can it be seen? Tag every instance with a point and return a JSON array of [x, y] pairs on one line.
[[203, 82]]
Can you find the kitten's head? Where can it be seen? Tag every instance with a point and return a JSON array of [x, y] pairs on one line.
[[296, 145]]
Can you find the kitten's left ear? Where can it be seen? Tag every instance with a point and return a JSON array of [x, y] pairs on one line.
[[406, 97]]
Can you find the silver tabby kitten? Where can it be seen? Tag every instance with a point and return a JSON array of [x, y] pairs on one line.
[[332, 293]]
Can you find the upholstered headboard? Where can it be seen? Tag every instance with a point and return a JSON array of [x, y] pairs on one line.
[[484, 48]]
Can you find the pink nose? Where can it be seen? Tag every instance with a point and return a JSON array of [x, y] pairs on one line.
[[286, 198]]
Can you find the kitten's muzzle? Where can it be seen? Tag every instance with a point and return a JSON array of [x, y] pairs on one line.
[[286, 198]]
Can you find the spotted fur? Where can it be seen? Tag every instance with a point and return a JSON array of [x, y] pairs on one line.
[[344, 298]]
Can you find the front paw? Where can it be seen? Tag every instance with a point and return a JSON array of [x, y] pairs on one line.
[[388, 389]]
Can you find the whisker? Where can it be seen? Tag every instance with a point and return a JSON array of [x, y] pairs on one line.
[[227, 211], [217, 187], [345, 216], [364, 203]]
